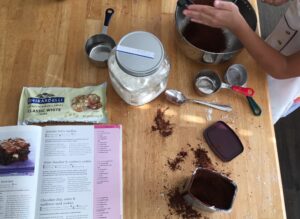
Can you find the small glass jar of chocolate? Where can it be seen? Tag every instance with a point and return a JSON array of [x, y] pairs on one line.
[[139, 68]]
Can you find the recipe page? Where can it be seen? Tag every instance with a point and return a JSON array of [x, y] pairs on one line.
[[19, 159], [66, 173], [108, 184], [80, 173]]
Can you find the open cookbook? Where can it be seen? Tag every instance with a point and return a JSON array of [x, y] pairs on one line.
[[66, 172]]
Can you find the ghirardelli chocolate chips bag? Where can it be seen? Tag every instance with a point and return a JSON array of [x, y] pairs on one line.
[[63, 104]]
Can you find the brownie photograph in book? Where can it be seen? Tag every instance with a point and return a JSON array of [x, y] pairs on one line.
[[16, 156]]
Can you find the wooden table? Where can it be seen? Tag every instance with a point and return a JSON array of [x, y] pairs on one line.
[[42, 44]]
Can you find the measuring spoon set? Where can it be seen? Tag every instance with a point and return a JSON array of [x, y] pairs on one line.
[[208, 82]]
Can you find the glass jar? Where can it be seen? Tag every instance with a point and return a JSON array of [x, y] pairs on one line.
[[139, 68]]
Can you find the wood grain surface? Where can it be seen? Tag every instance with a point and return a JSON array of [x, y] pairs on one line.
[[42, 44]]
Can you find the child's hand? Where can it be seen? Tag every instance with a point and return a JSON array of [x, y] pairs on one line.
[[275, 2], [223, 14]]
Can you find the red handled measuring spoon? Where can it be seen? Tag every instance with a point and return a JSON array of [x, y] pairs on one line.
[[246, 91]]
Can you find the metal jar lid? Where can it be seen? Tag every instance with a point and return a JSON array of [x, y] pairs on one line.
[[139, 53]]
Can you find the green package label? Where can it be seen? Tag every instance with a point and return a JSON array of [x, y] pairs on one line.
[[59, 104]]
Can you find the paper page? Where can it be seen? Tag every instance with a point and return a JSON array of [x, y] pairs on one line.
[[19, 158], [108, 172], [74, 173], [65, 185]]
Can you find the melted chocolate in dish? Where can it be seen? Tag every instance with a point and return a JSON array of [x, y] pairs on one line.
[[204, 37]]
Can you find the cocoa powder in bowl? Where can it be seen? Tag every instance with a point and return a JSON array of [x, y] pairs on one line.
[[213, 189], [204, 37]]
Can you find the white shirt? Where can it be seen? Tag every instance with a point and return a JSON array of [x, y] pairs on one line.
[[286, 39]]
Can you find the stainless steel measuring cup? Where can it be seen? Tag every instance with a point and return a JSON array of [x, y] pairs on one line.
[[237, 75], [208, 82], [99, 46]]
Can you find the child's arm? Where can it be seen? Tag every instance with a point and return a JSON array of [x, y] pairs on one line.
[[226, 14]]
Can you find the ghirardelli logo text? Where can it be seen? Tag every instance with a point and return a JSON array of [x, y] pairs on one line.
[[44, 98]]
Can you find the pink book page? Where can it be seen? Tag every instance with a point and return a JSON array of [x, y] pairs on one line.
[[108, 172]]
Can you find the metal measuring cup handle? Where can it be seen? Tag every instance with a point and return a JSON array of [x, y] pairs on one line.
[[108, 14]]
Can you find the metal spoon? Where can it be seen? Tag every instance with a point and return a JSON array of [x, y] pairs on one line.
[[177, 97]]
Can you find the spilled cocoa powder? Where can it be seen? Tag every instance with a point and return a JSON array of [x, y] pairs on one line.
[[163, 126], [201, 158], [174, 164], [177, 205]]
